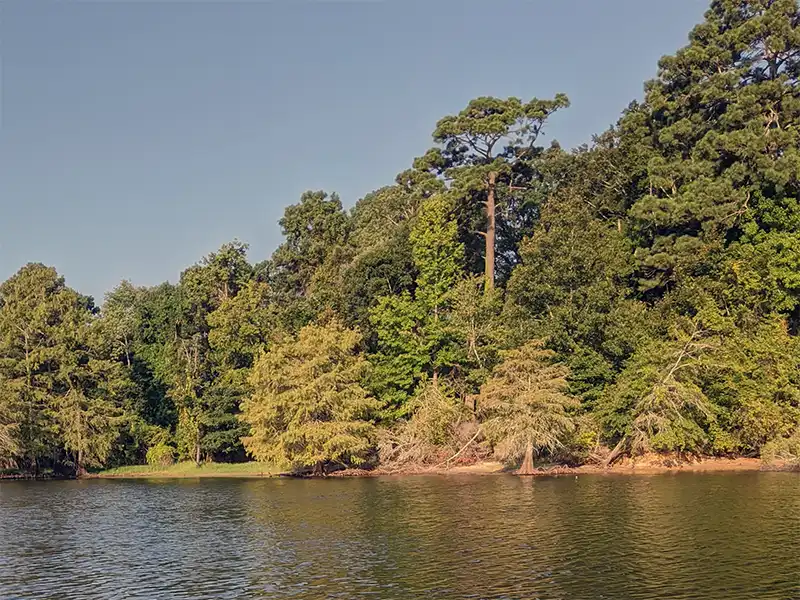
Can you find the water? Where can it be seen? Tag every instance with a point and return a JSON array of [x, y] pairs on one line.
[[726, 536]]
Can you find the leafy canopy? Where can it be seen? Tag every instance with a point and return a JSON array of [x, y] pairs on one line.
[[308, 407]]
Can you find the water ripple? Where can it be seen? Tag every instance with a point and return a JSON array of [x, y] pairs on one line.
[[683, 537]]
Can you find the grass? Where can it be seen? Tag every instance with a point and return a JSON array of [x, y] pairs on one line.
[[190, 469]]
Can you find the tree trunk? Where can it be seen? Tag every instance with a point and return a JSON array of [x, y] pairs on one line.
[[527, 464], [197, 452], [490, 213], [618, 451], [80, 471], [319, 469], [471, 401]]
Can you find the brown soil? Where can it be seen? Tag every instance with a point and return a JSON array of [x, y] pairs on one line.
[[478, 468], [644, 465], [649, 464]]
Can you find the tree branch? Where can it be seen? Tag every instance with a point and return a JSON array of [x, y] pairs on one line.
[[472, 439]]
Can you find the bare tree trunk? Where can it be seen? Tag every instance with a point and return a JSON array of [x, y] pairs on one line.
[[319, 469], [618, 451], [471, 401], [490, 235], [197, 451], [527, 464]]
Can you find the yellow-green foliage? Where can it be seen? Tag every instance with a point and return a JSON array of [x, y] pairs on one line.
[[60, 393], [660, 262], [161, 455], [524, 404], [714, 388], [439, 426], [307, 405]]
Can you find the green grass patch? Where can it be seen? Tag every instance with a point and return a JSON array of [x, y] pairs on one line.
[[190, 469]]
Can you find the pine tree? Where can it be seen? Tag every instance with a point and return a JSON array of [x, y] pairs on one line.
[[479, 149], [721, 133]]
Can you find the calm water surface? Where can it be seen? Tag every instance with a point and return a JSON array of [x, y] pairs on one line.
[[725, 536]]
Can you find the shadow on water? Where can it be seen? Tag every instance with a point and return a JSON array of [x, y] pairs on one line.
[[728, 536]]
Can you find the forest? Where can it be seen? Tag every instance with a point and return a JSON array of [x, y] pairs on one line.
[[501, 298]]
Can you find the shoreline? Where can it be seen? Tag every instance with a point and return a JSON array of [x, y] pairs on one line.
[[644, 466]]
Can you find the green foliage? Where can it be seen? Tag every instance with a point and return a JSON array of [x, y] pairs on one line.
[[315, 229], [308, 406], [435, 431], [10, 443], [720, 131], [478, 328], [61, 396], [383, 269], [415, 333], [206, 400], [643, 289], [486, 121], [488, 155], [436, 414], [218, 277], [572, 290], [401, 358], [753, 380], [787, 448], [437, 253], [712, 387], [242, 326]]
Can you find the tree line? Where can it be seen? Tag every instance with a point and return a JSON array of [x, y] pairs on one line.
[[502, 297]]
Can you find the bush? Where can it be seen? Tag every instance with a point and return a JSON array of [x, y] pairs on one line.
[[582, 446], [161, 455]]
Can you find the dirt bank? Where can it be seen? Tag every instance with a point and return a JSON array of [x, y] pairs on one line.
[[646, 465]]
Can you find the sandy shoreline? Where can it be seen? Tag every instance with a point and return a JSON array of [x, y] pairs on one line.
[[644, 466], [639, 467]]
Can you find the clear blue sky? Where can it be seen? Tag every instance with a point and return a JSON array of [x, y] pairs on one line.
[[137, 136]]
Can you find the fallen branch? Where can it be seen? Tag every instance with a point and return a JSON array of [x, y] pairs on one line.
[[474, 437], [618, 451]]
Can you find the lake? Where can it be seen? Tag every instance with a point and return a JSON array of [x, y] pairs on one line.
[[679, 536]]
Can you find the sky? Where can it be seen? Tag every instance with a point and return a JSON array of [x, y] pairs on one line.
[[138, 136]]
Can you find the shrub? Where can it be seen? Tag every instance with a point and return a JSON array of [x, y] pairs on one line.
[[440, 425], [161, 455]]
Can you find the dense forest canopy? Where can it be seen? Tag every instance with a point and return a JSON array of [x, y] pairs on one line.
[[639, 294]]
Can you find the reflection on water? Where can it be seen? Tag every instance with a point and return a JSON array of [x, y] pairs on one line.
[[714, 536]]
